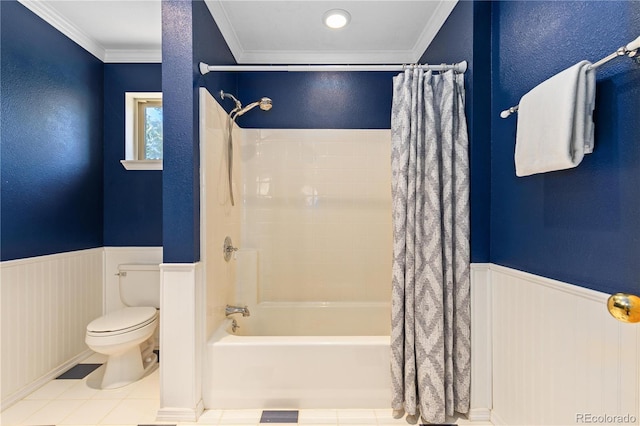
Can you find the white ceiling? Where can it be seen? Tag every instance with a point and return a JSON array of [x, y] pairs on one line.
[[292, 32], [112, 30], [266, 31]]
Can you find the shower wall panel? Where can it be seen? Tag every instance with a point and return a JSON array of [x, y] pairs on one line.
[[218, 218], [317, 207]]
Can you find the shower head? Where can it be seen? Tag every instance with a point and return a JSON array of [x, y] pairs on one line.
[[264, 103]]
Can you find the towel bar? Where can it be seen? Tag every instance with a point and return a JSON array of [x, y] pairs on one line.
[[631, 50]]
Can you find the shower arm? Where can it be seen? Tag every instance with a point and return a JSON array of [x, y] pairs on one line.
[[233, 98]]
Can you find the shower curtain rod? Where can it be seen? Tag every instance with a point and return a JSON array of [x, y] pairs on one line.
[[460, 67]]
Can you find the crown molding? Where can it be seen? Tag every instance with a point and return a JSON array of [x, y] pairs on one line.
[[133, 56], [440, 15], [219, 15], [314, 57], [59, 22], [217, 11]]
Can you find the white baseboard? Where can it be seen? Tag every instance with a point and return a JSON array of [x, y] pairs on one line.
[[496, 420], [479, 415], [180, 414], [43, 380]]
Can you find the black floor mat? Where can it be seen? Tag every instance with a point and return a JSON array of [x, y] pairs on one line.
[[279, 416], [79, 371]]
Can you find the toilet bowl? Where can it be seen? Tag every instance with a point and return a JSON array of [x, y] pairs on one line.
[[126, 337]]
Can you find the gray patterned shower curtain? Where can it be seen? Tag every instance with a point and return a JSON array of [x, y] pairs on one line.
[[430, 332]]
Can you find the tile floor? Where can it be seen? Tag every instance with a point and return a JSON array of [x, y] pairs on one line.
[[75, 402]]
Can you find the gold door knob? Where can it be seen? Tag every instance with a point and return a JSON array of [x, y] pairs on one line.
[[624, 307]]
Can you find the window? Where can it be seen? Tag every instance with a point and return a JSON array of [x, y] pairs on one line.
[[149, 129], [143, 131]]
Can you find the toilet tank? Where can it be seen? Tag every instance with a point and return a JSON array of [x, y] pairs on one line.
[[140, 285]]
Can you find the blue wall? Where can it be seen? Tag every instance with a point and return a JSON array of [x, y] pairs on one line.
[[362, 100], [581, 225], [189, 35], [466, 35], [51, 129], [181, 201], [132, 198], [317, 100]]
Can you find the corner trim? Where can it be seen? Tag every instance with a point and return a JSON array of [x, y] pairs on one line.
[[181, 340], [481, 343]]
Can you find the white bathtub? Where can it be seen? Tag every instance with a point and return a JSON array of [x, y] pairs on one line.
[[317, 355]]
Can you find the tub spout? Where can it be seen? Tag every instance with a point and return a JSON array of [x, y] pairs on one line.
[[230, 310]]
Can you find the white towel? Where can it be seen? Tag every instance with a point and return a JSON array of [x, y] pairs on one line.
[[555, 124]]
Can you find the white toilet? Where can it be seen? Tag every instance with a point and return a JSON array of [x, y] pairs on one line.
[[127, 335]]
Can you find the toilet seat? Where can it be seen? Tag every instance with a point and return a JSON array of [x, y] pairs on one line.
[[123, 321]]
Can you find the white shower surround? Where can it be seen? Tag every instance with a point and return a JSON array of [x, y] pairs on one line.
[[321, 347], [317, 207]]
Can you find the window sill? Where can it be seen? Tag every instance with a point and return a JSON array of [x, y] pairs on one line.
[[142, 164]]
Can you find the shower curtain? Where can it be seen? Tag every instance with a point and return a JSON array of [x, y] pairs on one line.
[[430, 332]]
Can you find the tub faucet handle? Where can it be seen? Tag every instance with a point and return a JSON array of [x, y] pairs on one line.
[[228, 249]]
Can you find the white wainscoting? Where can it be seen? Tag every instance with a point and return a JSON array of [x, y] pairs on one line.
[[182, 341], [481, 391], [557, 353], [46, 303]]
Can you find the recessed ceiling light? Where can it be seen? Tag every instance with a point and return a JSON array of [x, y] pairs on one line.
[[336, 18]]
